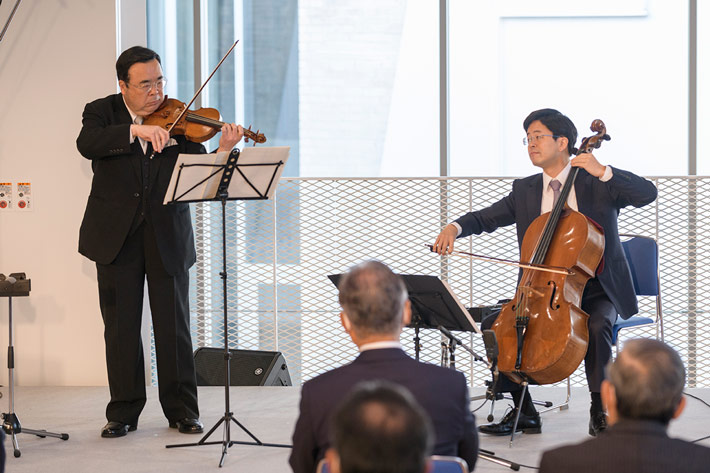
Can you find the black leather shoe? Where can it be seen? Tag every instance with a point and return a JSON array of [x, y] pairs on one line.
[[187, 425], [597, 423], [116, 429], [526, 424]]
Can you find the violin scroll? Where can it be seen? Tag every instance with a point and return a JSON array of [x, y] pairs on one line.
[[256, 137]]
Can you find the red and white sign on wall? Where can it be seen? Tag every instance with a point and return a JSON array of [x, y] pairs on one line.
[[24, 196], [5, 196]]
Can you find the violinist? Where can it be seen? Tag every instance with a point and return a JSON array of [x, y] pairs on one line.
[[132, 236], [599, 193]]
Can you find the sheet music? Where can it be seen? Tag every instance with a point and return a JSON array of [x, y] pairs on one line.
[[259, 176], [257, 173], [191, 175]]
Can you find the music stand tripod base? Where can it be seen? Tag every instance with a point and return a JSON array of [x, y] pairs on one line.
[[10, 422], [253, 178]]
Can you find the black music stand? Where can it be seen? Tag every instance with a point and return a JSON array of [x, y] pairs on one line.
[[249, 175], [17, 285], [434, 306]]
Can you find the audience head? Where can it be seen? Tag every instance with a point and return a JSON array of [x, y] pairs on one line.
[[557, 123], [645, 382], [380, 428], [374, 302]]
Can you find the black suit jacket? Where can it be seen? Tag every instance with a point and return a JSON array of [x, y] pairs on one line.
[[630, 446], [117, 189], [440, 391], [600, 201]]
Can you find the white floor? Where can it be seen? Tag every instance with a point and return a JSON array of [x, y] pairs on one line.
[[269, 413]]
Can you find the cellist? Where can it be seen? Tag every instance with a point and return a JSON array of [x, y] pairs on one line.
[[599, 192]]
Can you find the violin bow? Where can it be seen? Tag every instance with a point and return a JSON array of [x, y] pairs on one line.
[[194, 97], [12, 14], [492, 259]]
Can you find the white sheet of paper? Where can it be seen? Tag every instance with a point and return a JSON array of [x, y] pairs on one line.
[[262, 177], [259, 176], [192, 175]]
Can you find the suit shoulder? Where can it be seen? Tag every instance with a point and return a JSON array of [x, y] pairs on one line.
[[110, 102], [693, 449], [565, 456], [525, 182], [325, 378]]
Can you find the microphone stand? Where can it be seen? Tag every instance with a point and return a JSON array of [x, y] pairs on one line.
[[489, 340]]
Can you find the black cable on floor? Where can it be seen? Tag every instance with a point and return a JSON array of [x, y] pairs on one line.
[[708, 405]]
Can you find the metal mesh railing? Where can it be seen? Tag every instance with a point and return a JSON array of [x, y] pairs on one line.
[[281, 251]]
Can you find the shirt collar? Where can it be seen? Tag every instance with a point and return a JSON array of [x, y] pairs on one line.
[[133, 115], [379, 345], [562, 176]]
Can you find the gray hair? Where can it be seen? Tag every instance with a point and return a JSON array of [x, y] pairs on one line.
[[373, 298], [648, 377]]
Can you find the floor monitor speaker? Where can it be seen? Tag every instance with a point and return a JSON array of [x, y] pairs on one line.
[[246, 368]]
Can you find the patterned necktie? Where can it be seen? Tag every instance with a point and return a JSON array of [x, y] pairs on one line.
[[555, 184]]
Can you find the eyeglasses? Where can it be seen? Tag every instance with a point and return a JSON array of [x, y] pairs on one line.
[[533, 138], [146, 86]]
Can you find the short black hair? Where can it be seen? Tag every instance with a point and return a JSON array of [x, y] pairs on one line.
[[558, 124], [380, 428], [131, 56]]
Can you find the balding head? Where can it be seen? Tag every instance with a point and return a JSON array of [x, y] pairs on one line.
[[373, 298], [648, 378]]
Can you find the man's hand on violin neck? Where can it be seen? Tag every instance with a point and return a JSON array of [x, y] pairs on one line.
[[231, 135], [152, 134], [589, 163], [444, 243]]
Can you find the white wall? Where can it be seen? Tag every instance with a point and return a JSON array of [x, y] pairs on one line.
[[56, 56]]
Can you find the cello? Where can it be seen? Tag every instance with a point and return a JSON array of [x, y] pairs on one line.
[[542, 333]]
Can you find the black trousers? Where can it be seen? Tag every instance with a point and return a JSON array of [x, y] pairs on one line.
[[121, 286], [602, 315]]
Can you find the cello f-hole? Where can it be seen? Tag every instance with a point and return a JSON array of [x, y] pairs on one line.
[[552, 295]]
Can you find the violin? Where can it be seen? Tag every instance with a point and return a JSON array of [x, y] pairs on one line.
[[543, 333], [197, 125]]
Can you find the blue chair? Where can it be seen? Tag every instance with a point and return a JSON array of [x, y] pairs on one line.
[[444, 464], [440, 464], [642, 255]]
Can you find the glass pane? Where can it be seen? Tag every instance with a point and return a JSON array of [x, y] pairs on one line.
[[368, 88], [609, 63], [170, 34]]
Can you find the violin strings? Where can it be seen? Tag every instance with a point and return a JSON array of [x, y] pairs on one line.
[[191, 116]]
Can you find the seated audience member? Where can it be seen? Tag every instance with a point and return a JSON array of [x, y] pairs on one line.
[[379, 428], [375, 309], [642, 393]]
